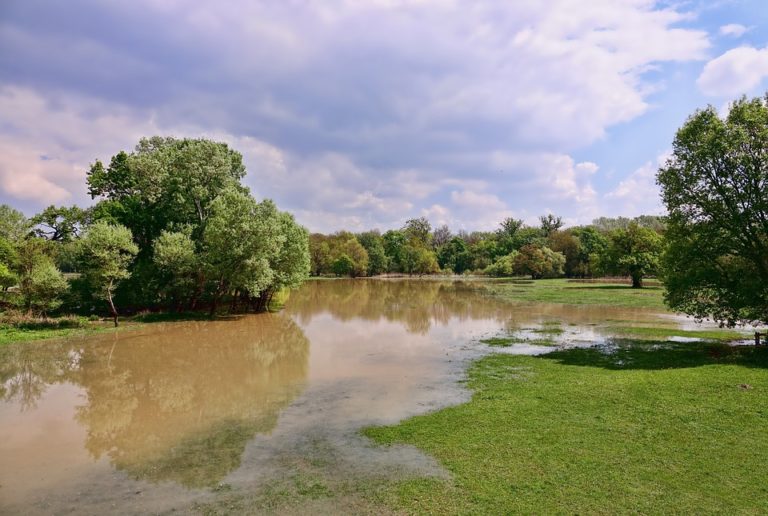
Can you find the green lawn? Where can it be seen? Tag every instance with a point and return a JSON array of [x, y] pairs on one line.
[[569, 292], [680, 429]]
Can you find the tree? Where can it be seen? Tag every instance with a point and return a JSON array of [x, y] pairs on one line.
[[175, 257], [14, 226], [568, 244], [635, 252], [343, 266], [715, 188], [377, 256], [291, 263], [59, 224], [504, 266], [418, 231], [240, 239], [539, 262], [42, 287], [441, 236], [106, 251], [454, 256], [550, 224], [394, 242]]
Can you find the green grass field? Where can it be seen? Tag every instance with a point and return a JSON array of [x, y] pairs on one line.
[[578, 293], [652, 428]]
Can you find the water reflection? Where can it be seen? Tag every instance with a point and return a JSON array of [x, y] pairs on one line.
[[182, 406], [178, 404], [421, 304]]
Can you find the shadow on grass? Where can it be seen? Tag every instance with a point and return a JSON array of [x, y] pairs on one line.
[[614, 287], [656, 355]]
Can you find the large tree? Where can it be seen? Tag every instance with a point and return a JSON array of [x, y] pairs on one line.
[[715, 187]]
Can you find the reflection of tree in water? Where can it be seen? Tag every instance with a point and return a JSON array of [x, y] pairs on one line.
[[178, 402], [416, 304], [27, 368]]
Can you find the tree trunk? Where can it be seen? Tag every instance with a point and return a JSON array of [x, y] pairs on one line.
[[637, 281], [111, 304]]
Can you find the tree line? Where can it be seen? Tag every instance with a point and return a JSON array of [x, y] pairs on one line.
[[609, 246], [172, 228]]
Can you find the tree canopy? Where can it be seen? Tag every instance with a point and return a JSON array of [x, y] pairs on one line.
[[715, 187]]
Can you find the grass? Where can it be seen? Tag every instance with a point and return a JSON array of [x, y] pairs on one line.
[[652, 428], [567, 292], [645, 332]]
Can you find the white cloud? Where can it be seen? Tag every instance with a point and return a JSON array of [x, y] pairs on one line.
[[736, 72], [638, 193], [359, 114], [734, 30]]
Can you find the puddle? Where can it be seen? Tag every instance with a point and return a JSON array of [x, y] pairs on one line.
[[174, 414]]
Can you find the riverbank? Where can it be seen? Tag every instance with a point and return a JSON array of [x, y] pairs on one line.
[[652, 427], [72, 326]]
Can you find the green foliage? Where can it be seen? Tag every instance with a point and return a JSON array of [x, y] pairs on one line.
[[455, 256], [239, 240], [394, 243], [550, 224], [539, 262], [634, 251], [418, 232], [714, 187], [176, 259], [378, 262], [419, 260], [326, 250], [41, 286], [14, 226], [343, 266], [504, 266], [60, 224], [106, 252], [7, 277]]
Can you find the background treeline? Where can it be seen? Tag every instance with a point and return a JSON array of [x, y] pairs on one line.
[[173, 228], [609, 246]]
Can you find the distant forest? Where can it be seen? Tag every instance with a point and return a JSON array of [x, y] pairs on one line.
[[608, 246]]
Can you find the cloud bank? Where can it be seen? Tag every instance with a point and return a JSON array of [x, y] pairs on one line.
[[351, 114]]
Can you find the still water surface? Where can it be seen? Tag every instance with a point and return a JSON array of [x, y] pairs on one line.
[[159, 418]]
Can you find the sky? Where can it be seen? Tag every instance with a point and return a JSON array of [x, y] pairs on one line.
[[360, 114]]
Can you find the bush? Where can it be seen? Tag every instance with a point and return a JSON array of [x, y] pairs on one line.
[[25, 321]]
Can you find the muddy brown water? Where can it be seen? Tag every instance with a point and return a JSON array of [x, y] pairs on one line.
[[163, 417]]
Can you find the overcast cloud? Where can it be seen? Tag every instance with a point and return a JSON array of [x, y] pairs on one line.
[[360, 114]]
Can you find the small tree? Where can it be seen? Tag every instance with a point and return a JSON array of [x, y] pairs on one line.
[[504, 266], [106, 251], [42, 286], [539, 262], [343, 266], [634, 251]]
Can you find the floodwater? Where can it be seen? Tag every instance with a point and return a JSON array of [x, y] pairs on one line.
[[163, 417]]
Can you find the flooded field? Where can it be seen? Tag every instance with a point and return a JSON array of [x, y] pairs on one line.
[[178, 414]]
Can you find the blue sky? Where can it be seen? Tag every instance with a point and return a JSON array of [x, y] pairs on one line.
[[361, 114]]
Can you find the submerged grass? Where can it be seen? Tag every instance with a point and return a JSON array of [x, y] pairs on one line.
[[653, 427], [568, 292]]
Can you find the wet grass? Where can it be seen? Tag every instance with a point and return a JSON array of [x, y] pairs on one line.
[[645, 332], [652, 427], [566, 292]]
